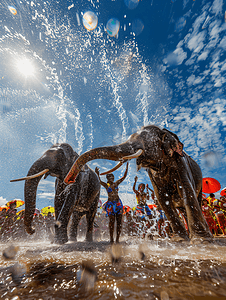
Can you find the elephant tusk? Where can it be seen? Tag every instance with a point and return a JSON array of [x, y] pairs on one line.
[[125, 158], [32, 176], [113, 169], [135, 155]]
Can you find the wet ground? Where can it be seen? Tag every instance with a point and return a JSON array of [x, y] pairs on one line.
[[137, 269]]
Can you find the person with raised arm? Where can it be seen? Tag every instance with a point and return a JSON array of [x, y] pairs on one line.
[[142, 198], [114, 206]]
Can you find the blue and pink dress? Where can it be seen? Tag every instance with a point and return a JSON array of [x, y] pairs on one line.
[[113, 207]]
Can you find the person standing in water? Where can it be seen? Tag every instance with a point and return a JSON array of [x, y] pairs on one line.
[[142, 198], [114, 206]]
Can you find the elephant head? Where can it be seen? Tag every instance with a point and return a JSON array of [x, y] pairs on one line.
[[56, 162], [176, 178], [144, 145]]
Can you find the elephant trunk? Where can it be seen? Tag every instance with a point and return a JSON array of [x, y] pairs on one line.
[[30, 190], [116, 153]]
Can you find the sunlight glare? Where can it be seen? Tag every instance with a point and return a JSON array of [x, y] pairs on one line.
[[25, 67]]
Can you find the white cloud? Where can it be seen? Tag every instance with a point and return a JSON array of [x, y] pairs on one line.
[[206, 136], [48, 195], [219, 82], [190, 80], [176, 57], [196, 41], [203, 56], [217, 7], [2, 201], [223, 43], [223, 68]]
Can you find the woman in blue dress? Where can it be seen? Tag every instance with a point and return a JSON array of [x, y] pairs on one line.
[[114, 206]]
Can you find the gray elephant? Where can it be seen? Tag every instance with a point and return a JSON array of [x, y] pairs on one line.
[[77, 199], [175, 176]]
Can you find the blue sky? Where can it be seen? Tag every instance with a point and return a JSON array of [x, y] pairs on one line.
[[166, 66]]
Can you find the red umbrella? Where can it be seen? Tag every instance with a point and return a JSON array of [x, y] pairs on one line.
[[126, 209], [223, 192], [210, 185]]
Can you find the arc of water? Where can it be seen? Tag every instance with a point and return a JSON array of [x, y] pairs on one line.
[[142, 95], [117, 103]]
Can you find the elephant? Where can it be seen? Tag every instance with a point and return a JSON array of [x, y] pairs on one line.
[[175, 176], [77, 199]]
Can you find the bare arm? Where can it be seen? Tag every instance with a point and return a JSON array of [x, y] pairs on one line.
[[104, 184], [134, 185], [124, 176]]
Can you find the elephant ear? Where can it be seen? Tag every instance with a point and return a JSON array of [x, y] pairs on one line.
[[171, 143]]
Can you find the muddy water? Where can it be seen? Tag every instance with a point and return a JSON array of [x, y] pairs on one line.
[[167, 271]]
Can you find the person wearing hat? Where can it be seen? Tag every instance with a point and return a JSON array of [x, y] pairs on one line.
[[211, 199]]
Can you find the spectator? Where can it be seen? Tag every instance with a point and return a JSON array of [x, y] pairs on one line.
[[220, 218], [7, 226], [211, 199]]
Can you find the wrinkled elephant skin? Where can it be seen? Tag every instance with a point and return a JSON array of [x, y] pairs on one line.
[[175, 176], [77, 199]]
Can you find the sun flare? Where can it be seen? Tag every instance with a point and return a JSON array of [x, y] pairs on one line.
[[25, 67]]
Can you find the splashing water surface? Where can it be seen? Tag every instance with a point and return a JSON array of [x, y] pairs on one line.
[[181, 271], [62, 83]]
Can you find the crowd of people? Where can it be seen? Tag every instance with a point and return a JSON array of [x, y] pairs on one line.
[[132, 222], [12, 223], [214, 211], [142, 220]]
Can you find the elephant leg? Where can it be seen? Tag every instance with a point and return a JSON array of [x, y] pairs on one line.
[[119, 226], [173, 217], [90, 216], [197, 225], [89, 233], [76, 217], [61, 234], [67, 200], [166, 202]]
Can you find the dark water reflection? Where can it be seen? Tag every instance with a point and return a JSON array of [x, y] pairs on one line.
[[168, 271]]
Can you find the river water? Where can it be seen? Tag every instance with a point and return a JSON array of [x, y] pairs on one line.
[[145, 269]]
